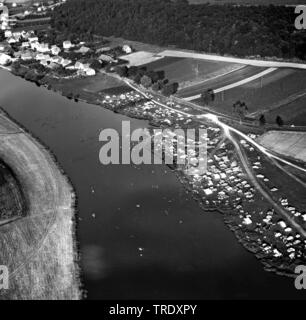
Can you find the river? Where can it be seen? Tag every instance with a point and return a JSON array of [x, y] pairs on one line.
[[140, 235]]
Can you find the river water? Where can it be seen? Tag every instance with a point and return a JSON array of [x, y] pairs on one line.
[[140, 235]]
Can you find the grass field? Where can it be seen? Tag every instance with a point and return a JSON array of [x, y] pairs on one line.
[[39, 248], [139, 58], [90, 87], [288, 143], [218, 82], [293, 113], [276, 94], [189, 72], [97, 83]]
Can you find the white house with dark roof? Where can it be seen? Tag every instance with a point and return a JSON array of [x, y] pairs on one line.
[[67, 44], [55, 50]]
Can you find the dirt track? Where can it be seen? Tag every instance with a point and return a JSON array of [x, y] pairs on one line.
[[39, 249]]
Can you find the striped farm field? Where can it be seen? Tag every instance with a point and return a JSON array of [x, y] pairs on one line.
[[288, 143], [222, 81], [189, 72], [273, 94]]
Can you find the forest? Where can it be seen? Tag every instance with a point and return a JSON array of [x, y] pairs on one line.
[[262, 31]]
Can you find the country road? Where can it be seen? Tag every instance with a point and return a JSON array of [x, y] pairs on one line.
[[284, 213], [243, 158]]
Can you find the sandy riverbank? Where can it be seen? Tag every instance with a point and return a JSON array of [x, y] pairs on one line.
[[39, 248]]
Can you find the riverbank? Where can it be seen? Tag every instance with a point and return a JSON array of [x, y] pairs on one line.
[[39, 248], [135, 104], [126, 214]]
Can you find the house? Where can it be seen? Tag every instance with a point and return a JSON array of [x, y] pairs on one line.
[[26, 55], [55, 50], [4, 25], [42, 47], [44, 63], [208, 191], [4, 58], [57, 59], [103, 49], [282, 224], [90, 71], [40, 56], [106, 58], [47, 57], [67, 44], [53, 65], [247, 221], [7, 33], [79, 65], [65, 62], [33, 44], [17, 54], [127, 49], [11, 40], [83, 50]]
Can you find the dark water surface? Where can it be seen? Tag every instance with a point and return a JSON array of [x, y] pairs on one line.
[[140, 234]]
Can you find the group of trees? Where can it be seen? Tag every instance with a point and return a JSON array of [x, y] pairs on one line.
[[240, 108], [226, 29], [208, 96], [148, 78], [278, 120], [28, 71]]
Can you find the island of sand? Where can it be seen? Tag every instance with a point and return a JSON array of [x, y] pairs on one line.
[[37, 229]]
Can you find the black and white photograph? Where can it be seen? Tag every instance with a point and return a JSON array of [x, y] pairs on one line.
[[152, 153]]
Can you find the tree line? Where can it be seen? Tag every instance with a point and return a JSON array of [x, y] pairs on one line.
[[265, 31], [154, 80]]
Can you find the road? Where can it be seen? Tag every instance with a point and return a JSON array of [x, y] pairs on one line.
[[218, 122], [278, 208], [243, 158], [251, 62], [236, 84]]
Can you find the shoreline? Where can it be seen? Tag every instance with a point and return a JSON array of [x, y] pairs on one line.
[[46, 234], [228, 217]]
